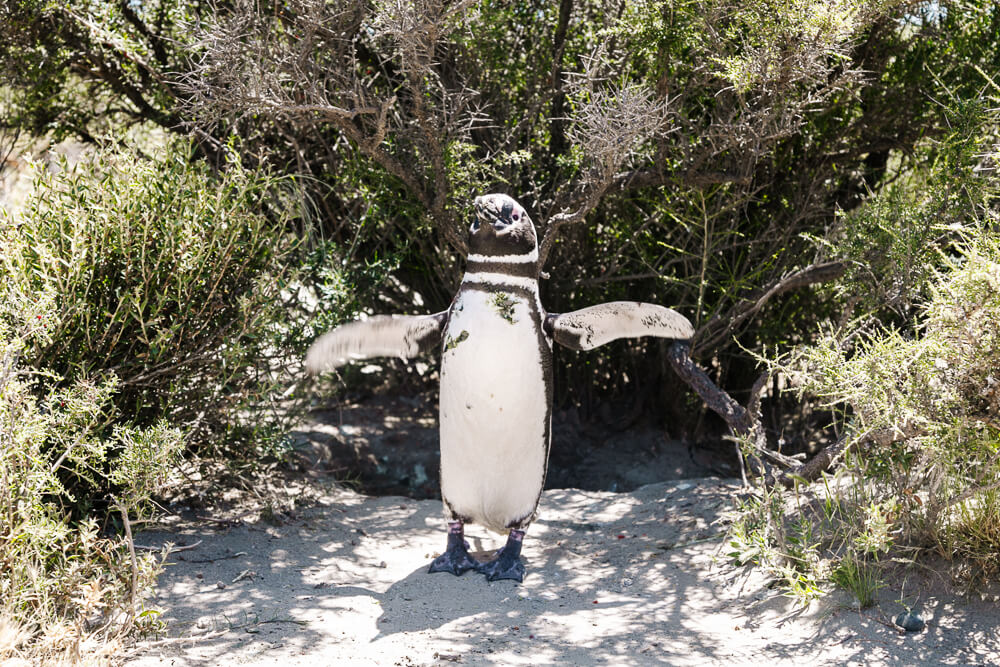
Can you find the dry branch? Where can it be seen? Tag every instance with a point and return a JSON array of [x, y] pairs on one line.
[[832, 454], [612, 122], [743, 422], [817, 273], [130, 616]]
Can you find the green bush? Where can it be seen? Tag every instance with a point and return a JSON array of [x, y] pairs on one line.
[[170, 277], [66, 591], [699, 141], [917, 383], [148, 305], [937, 486]]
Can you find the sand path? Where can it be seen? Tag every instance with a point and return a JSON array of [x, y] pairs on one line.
[[613, 578]]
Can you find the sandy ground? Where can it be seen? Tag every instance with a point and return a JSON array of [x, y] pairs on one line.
[[613, 578]]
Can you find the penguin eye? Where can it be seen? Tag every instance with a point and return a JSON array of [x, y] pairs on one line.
[[516, 216]]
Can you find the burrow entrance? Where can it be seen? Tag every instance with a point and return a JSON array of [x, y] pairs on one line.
[[388, 445]]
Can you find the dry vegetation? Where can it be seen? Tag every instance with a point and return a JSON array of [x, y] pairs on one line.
[[812, 182]]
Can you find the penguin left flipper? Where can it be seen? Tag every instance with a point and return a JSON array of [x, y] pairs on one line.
[[402, 336], [592, 327]]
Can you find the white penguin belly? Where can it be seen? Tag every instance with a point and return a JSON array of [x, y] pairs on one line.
[[494, 410]]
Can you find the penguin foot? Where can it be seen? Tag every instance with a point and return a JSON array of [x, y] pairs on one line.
[[503, 566], [456, 558], [507, 562]]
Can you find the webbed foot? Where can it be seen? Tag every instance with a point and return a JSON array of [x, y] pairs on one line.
[[507, 562], [456, 558]]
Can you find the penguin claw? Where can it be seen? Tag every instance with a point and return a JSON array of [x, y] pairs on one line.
[[457, 564], [455, 559], [504, 566], [503, 569]]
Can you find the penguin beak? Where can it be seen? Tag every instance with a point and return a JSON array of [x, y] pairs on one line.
[[492, 213], [483, 226]]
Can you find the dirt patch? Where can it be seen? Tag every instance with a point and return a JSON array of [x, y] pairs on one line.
[[389, 445], [612, 578]]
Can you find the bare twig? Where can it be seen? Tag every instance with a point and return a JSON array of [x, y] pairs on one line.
[[611, 123], [565, 218], [831, 454], [817, 273], [213, 560], [134, 562], [173, 548], [176, 640]]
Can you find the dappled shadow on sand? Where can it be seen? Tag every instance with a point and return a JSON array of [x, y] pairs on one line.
[[612, 579], [389, 443]]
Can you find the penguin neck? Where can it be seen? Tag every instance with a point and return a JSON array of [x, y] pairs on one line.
[[520, 267], [506, 272]]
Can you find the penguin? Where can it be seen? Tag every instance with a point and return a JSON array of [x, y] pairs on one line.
[[496, 377]]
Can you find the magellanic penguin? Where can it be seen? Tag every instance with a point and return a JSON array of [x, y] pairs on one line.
[[496, 377]]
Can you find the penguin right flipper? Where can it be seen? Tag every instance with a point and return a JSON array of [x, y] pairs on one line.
[[592, 327], [402, 336]]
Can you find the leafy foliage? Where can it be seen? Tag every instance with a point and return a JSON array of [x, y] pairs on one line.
[[65, 590], [675, 152], [926, 382], [168, 276]]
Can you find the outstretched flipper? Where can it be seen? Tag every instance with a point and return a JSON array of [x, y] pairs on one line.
[[402, 336], [592, 327]]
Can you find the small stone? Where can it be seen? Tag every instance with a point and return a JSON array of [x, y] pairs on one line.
[[94, 620], [220, 584], [910, 621]]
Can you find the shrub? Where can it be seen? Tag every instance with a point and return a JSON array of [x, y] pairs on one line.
[[937, 485], [168, 276], [65, 591], [142, 312], [921, 374]]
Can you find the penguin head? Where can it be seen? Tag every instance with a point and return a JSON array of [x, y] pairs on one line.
[[501, 227]]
